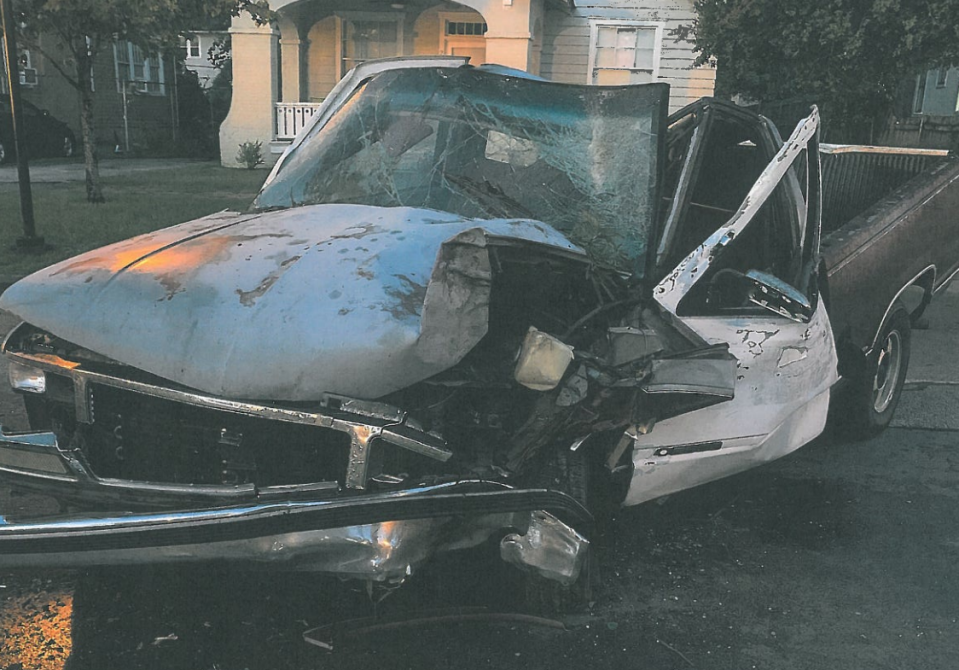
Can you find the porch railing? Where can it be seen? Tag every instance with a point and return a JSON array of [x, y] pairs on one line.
[[291, 116]]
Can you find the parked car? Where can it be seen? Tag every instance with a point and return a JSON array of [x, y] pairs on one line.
[[46, 136], [465, 302]]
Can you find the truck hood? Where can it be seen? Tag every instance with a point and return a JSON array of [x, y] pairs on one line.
[[285, 305]]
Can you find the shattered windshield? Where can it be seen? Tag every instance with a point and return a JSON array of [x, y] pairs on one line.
[[479, 145]]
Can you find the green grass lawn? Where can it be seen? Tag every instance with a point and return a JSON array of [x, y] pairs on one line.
[[137, 202]]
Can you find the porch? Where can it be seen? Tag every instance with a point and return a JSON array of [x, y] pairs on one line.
[[282, 72]]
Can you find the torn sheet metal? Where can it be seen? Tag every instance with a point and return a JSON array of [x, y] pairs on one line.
[[783, 374], [284, 305], [549, 548], [677, 283], [630, 344], [704, 376]]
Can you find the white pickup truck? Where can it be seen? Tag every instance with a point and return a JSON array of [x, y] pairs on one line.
[[464, 301]]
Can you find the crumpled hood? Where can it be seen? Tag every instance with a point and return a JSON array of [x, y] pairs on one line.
[[282, 305]]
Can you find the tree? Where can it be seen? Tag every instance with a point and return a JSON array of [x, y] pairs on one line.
[[84, 28], [849, 56]]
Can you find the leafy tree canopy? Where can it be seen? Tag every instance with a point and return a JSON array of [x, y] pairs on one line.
[[849, 56]]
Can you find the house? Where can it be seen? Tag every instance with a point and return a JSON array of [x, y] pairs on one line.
[[196, 54], [928, 112], [937, 92], [134, 92], [281, 72]]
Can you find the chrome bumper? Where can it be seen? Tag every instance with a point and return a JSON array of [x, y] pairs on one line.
[[382, 536]]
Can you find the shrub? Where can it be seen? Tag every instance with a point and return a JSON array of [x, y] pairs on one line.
[[250, 154]]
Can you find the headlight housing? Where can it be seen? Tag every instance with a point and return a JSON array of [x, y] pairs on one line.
[[27, 379]]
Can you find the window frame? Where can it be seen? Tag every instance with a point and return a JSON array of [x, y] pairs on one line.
[[24, 63], [342, 18], [151, 64], [942, 76], [919, 98], [594, 28], [449, 42], [191, 45]]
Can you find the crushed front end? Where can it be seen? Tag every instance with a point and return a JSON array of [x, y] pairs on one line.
[[146, 472]]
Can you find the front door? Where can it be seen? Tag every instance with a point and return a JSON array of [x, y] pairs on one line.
[[463, 35], [742, 245]]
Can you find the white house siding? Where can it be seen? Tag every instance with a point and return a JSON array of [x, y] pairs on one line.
[[565, 55]]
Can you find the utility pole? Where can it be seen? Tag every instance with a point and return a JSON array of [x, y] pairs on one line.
[[30, 240]]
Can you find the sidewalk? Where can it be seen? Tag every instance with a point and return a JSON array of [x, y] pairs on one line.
[[51, 173], [930, 398]]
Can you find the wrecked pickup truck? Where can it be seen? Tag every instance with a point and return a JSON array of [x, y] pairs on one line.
[[464, 301]]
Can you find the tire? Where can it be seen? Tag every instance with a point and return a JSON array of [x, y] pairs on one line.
[[877, 386]]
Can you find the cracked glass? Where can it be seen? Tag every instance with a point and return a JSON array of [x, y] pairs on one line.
[[584, 160]]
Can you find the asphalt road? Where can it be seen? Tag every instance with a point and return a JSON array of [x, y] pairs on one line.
[[839, 556]]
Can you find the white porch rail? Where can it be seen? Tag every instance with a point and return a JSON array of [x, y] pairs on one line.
[[292, 116]]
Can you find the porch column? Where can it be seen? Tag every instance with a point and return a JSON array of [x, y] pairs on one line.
[[255, 90], [294, 49], [509, 38]]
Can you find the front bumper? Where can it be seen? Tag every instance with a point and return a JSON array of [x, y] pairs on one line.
[[377, 536]]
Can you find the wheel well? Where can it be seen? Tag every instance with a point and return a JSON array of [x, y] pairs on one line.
[[914, 296], [917, 295]]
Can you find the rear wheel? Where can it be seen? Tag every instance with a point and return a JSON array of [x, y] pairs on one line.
[[871, 400]]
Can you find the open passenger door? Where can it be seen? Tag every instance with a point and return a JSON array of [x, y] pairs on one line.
[[745, 274]]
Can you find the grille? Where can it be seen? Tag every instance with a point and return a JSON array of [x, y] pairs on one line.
[[141, 438]]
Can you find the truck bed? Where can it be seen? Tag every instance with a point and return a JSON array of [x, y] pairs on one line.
[[889, 222]]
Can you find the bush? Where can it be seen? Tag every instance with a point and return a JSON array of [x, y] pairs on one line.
[[250, 154]]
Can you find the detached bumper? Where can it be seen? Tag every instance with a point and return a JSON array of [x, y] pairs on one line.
[[381, 536]]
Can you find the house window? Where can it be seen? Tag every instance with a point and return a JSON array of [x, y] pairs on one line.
[[143, 72], [192, 48], [920, 98], [365, 39], [28, 73], [624, 52], [463, 34], [941, 77], [465, 28]]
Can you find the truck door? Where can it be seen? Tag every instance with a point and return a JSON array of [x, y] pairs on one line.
[[741, 239]]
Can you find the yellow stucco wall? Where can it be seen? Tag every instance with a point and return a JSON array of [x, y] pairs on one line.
[[251, 112], [323, 54]]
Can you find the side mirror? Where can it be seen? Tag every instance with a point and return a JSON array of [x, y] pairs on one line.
[[772, 293]]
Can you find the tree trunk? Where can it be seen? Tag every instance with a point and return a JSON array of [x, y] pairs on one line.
[[88, 129]]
